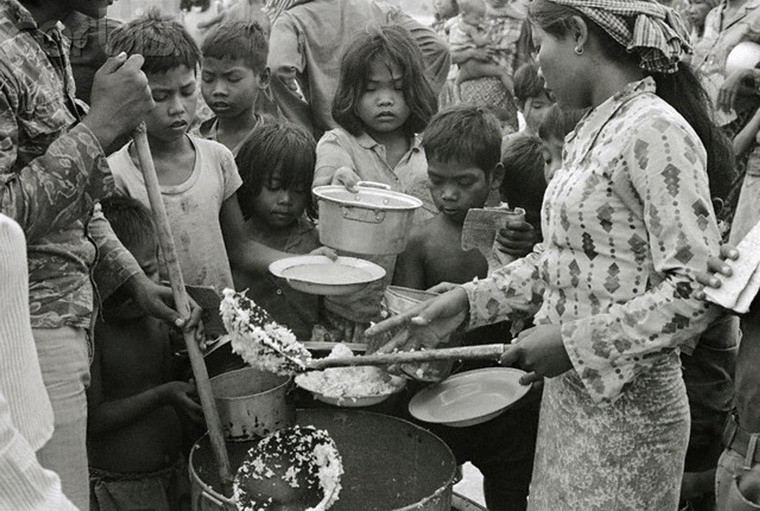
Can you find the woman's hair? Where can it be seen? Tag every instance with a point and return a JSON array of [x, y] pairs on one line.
[[388, 45], [276, 147], [682, 90]]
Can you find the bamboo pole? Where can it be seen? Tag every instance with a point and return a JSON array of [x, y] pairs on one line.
[[182, 302]]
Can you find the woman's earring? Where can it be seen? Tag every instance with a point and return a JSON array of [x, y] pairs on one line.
[[579, 50]]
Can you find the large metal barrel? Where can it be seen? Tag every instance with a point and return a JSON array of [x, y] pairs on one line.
[[390, 464]]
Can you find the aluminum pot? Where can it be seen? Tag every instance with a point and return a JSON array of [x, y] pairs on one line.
[[253, 403], [390, 465], [372, 221]]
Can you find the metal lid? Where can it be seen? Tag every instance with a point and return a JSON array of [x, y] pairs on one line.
[[370, 196]]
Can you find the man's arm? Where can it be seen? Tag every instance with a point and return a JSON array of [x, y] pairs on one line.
[[435, 52]]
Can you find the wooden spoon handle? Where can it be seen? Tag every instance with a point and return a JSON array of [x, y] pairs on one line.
[[182, 302], [487, 351]]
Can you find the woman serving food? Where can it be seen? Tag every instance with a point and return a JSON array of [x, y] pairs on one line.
[[627, 222]]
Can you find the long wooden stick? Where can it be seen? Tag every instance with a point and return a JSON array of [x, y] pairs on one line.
[[484, 352], [182, 302]]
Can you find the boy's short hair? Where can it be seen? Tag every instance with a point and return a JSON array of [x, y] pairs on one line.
[[524, 183], [528, 84], [464, 134], [559, 122], [238, 40], [163, 42], [276, 146], [130, 220]]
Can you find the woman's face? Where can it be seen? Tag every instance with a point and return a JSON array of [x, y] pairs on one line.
[[560, 66]]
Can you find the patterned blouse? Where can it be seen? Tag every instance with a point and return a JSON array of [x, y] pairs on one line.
[[627, 220]]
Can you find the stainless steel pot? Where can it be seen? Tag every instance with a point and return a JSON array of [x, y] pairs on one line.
[[390, 465], [374, 220], [253, 403]]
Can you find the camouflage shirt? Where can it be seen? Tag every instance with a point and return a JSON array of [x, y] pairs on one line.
[[52, 172]]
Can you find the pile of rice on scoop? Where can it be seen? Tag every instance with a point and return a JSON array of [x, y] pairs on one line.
[[294, 469], [349, 382], [259, 339]]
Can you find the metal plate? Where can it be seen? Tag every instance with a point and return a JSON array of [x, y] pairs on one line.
[[469, 398], [320, 275]]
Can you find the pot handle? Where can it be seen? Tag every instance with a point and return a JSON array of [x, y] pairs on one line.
[[368, 216], [373, 184]]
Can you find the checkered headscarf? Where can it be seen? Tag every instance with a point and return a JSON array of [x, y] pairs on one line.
[[659, 36]]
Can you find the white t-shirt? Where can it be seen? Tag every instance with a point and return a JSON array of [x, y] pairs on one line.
[[193, 209]]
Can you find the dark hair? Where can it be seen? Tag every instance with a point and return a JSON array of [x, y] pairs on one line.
[[391, 45], [682, 90], [524, 184], [130, 220], [465, 134], [559, 121], [281, 147], [163, 42], [186, 5], [238, 40], [528, 84]]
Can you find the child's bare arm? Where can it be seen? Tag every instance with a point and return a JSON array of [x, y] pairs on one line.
[[410, 265], [746, 137], [478, 38]]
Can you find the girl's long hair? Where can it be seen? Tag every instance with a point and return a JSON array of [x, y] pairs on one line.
[[682, 90], [389, 45]]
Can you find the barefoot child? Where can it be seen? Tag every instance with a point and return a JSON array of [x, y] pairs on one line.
[[463, 148], [276, 163], [383, 100], [468, 32], [135, 410], [234, 78], [198, 177]]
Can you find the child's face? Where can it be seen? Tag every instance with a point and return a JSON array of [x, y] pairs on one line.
[[230, 87], [176, 95], [474, 16], [698, 12], [457, 187], [279, 207], [382, 106], [552, 156], [535, 110], [119, 306], [444, 9]]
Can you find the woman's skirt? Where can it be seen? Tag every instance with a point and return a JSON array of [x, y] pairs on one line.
[[627, 455]]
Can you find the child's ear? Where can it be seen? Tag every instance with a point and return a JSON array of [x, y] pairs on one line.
[[497, 176], [264, 79]]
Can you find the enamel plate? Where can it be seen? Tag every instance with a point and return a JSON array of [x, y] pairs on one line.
[[320, 275], [469, 398]]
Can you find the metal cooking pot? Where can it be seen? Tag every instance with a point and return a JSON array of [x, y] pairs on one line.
[[374, 220], [253, 403], [390, 464]]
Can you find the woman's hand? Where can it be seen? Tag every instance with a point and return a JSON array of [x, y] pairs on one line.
[[426, 324], [540, 351], [517, 239], [716, 268], [443, 287], [347, 177]]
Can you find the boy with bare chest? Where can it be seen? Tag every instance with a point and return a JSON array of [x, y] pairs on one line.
[[135, 410]]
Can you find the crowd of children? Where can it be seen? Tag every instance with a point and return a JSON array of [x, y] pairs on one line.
[[237, 188]]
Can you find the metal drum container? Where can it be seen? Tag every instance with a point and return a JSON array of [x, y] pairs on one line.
[[253, 403], [390, 465], [373, 220]]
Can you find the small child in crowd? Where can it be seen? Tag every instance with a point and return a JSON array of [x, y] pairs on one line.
[[198, 177], [234, 79], [136, 412], [462, 144], [445, 16], [383, 100], [531, 97], [557, 124], [523, 187], [276, 163], [469, 32]]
